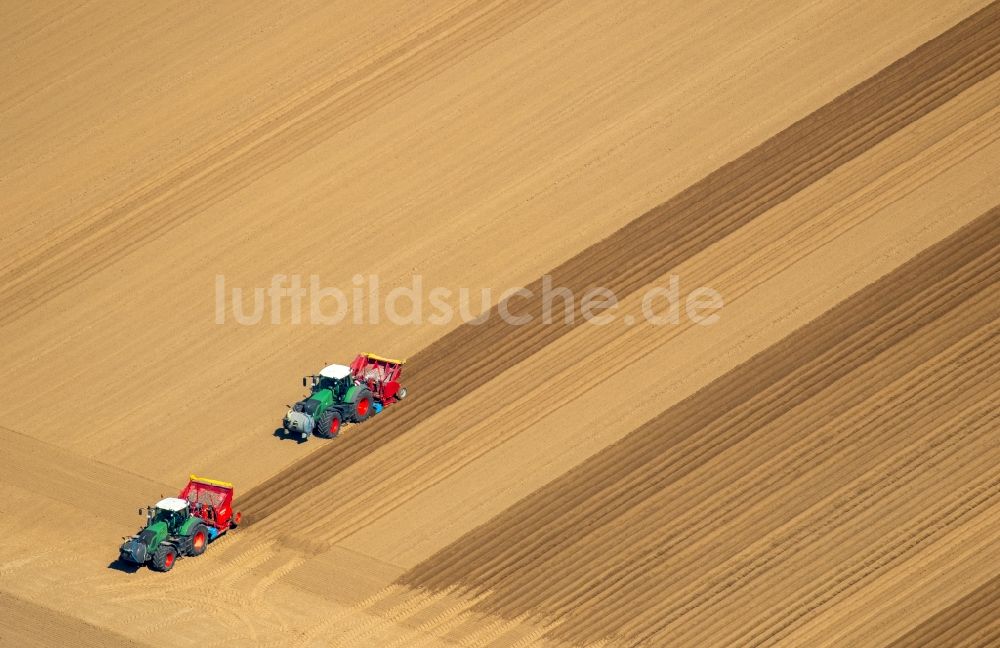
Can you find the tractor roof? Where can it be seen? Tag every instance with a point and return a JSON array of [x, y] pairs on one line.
[[335, 371], [172, 504]]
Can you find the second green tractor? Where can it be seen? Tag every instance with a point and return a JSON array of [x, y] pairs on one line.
[[345, 394]]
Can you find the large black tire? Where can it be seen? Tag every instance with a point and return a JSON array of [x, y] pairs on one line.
[[363, 405], [328, 425], [401, 394], [164, 558], [197, 540]]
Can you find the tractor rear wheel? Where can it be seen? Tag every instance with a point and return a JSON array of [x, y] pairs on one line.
[[198, 540], [328, 426], [164, 558], [362, 407]]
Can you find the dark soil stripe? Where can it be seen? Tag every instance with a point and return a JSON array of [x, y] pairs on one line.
[[974, 620], [536, 541], [666, 236]]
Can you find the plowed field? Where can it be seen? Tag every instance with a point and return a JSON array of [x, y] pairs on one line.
[[814, 466]]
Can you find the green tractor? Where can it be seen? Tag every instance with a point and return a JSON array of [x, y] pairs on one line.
[[336, 398], [182, 526], [342, 394]]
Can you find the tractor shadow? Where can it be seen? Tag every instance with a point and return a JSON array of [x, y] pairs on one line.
[[120, 565], [283, 434]]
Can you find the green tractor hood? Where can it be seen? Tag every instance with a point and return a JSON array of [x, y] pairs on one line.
[[141, 547]]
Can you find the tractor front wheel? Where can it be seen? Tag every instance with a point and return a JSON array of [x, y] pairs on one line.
[[164, 558], [198, 540], [328, 426]]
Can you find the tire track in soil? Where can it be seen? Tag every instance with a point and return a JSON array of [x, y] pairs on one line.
[[507, 557], [664, 237], [87, 246]]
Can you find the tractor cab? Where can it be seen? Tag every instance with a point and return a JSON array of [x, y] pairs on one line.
[[172, 511], [336, 378]]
